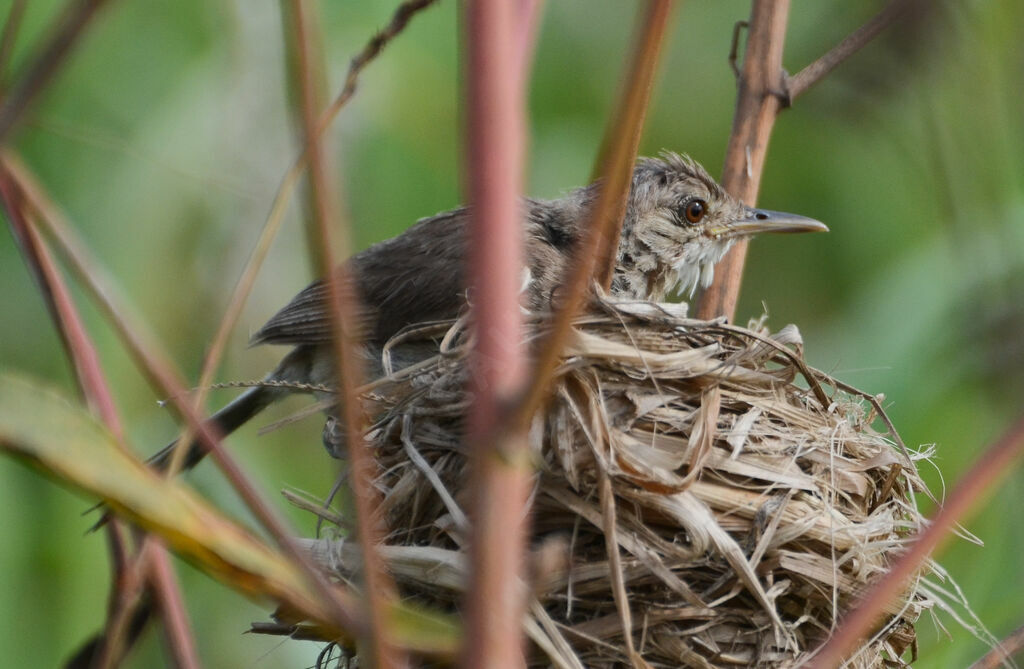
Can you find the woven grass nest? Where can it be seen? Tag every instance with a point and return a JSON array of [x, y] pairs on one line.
[[750, 496]]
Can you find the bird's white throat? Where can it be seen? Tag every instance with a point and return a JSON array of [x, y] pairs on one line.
[[697, 264]]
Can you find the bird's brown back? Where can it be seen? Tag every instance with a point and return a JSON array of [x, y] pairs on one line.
[[414, 277], [419, 276]]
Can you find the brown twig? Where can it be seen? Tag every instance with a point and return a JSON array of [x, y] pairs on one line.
[[757, 105], [615, 165], [132, 606], [68, 28], [734, 48], [980, 481], [9, 37], [629, 121], [499, 461], [95, 647], [127, 609], [342, 309], [373, 47], [162, 375], [764, 90], [1007, 648], [856, 41]]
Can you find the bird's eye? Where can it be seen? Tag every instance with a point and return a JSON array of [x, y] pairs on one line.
[[695, 210]]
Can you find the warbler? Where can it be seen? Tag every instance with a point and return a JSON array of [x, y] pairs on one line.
[[678, 223]]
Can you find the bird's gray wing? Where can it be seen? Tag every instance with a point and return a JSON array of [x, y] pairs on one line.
[[414, 277], [302, 321]]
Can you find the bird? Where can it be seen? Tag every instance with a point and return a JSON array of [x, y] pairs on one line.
[[679, 222]]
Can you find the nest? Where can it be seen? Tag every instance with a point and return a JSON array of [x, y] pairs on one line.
[[749, 497]]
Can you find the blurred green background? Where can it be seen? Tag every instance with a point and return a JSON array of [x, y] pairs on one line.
[[167, 133]]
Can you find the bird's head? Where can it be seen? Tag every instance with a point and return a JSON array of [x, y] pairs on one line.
[[680, 222]]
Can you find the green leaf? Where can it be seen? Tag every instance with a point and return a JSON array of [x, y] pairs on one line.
[[68, 444]]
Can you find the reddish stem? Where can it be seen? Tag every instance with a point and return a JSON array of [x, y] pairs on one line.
[[1007, 648], [615, 167], [162, 375], [84, 358], [342, 309], [94, 387], [495, 138], [171, 605]]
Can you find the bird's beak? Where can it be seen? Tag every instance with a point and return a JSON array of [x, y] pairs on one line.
[[758, 221]]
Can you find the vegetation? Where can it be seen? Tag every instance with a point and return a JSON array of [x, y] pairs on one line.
[[166, 134]]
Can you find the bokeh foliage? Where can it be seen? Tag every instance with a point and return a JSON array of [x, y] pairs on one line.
[[166, 135]]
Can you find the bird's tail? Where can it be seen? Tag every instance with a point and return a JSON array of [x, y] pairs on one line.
[[238, 412], [296, 368]]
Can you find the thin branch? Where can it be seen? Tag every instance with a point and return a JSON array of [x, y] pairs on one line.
[[38, 74], [499, 460], [993, 465], [857, 40], [44, 69], [399, 20], [1006, 649], [9, 37], [79, 347], [734, 49], [617, 157], [232, 313], [121, 565], [161, 374], [132, 607], [243, 289], [370, 50], [763, 91], [342, 308], [172, 608], [621, 150], [96, 391], [757, 105], [616, 167], [125, 619]]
